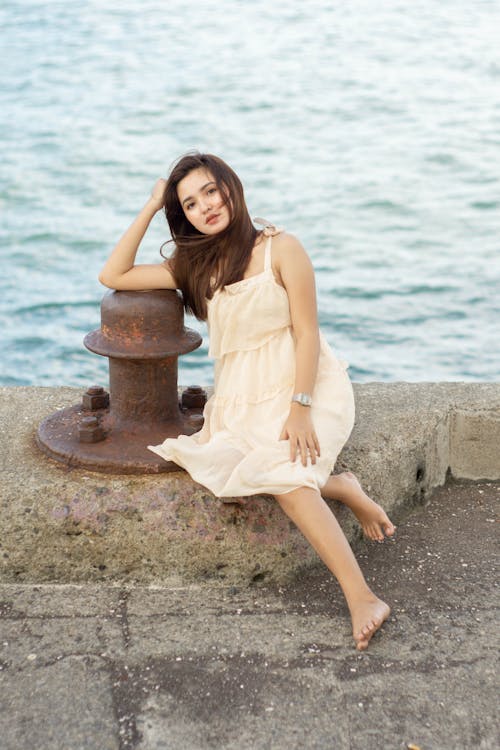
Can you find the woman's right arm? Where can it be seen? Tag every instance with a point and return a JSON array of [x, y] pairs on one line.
[[119, 271]]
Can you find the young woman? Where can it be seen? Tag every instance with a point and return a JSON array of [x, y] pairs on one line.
[[283, 404]]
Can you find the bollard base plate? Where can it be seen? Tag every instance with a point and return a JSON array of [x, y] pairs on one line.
[[124, 447]]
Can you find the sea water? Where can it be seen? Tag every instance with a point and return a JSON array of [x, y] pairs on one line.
[[369, 130]]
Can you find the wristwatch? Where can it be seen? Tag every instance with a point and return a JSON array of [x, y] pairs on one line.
[[302, 398]]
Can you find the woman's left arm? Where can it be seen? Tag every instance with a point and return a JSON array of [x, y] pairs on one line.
[[297, 275]]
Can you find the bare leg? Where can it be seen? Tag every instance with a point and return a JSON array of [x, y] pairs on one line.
[[311, 514], [372, 517]]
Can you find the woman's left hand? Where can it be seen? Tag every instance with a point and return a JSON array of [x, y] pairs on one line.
[[299, 430]]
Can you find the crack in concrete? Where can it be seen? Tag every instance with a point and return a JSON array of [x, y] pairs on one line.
[[122, 616]]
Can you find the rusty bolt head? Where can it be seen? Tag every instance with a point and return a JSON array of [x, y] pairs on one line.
[[196, 420], [90, 431], [89, 421], [95, 390], [194, 397], [95, 398]]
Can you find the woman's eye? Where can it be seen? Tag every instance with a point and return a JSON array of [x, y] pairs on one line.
[[212, 190], [189, 206]]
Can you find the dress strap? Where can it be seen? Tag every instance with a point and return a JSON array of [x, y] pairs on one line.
[[269, 231], [267, 254]]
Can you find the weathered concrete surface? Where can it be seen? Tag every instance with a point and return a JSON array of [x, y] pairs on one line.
[[60, 524], [98, 666]]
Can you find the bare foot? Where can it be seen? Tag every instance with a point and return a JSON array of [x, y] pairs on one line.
[[373, 519], [367, 618]]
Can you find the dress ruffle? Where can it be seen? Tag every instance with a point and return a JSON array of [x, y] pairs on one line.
[[238, 451]]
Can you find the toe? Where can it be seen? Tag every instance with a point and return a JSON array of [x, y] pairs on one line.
[[361, 641], [367, 531], [378, 533], [367, 631], [389, 529]]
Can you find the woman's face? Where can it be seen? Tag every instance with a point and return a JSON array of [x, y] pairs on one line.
[[202, 202]]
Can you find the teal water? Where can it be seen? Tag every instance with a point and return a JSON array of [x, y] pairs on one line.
[[372, 133]]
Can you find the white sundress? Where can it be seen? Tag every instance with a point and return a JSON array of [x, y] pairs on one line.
[[238, 452]]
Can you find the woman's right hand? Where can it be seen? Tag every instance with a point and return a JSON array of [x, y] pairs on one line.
[[158, 193]]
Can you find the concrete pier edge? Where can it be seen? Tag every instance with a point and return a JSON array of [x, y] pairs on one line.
[[73, 525]]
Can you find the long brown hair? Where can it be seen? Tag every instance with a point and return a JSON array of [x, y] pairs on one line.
[[203, 263]]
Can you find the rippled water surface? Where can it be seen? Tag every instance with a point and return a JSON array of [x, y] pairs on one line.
[[371, 131]]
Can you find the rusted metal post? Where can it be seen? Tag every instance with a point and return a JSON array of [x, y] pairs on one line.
[[143, 335]]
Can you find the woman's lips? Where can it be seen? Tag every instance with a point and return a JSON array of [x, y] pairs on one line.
[[212, 219]]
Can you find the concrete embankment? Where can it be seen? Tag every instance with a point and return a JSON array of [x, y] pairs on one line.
[[211, 666], [72, 525]]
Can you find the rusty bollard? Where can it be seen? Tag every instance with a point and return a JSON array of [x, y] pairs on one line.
[[143, 335]]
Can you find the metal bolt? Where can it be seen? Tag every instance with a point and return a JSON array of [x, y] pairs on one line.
[[193, 397], [95, 398], [95, 390], [90, 431], [196, 420]]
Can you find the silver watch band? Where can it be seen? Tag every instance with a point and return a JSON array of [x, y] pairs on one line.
[[302, 398]]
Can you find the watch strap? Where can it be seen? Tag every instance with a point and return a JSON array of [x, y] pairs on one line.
[[302, 398]]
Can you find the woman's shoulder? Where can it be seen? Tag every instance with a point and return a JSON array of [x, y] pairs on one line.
[[286, 245], [289, 258], [282, 238]]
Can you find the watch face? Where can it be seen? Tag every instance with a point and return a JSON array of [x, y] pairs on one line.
[[303, 398]]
